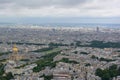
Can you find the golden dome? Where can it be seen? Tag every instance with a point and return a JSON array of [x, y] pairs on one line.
[[15, 49]]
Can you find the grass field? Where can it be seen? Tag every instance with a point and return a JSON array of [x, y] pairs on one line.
[[51, 51]]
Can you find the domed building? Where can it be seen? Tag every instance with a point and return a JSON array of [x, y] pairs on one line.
[[15, 56]]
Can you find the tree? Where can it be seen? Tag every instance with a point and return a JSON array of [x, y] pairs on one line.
[[108, 73], [99, 72], [9, 76], [1, 69]]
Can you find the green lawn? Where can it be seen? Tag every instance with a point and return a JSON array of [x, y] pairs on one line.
[[53, 50]]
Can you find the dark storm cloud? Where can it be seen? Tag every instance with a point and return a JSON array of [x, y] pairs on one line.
[[41, 3]]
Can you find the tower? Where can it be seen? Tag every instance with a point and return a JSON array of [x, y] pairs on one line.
[[97, 29]]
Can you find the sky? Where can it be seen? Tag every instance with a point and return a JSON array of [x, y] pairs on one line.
[[60, 11]]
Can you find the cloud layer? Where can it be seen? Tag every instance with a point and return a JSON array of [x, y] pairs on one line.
[[58, 8]]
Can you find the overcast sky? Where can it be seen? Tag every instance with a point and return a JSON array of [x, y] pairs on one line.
[[83, 9]]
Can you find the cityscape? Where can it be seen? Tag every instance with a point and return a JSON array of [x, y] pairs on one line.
[[50, 53], [59, 39]]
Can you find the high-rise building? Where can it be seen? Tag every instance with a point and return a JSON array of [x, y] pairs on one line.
[[97, 29]]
